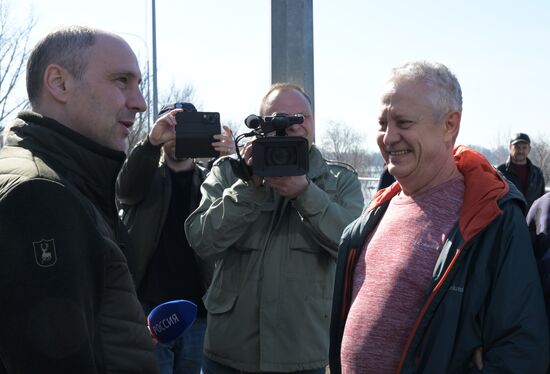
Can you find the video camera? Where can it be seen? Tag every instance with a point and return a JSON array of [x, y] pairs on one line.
[[278, 155]]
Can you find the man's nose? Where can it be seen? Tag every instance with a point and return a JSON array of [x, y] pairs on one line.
[[293, 128], [391, 135], [136, 101]]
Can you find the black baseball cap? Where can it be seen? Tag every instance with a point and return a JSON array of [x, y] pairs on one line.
[[187, 107], [520, 138]]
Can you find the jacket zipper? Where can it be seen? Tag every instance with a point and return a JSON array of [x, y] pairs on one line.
[[425, 308]]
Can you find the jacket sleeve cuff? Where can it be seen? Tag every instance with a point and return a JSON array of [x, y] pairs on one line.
[[244, 193], [146, 143], [312, 201]]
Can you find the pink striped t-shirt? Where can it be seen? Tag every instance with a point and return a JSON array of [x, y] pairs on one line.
[[393, 276]]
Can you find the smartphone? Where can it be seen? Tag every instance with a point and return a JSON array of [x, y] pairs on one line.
[[194, 134]]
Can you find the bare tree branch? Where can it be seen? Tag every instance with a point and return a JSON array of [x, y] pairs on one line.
[[540, 155], [144, 121], [343, 143], [14, 51]]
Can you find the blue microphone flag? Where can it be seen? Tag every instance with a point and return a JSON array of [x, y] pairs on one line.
[[171, 319]]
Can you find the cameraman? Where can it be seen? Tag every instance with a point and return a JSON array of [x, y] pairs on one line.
[[157, 192], [276, 239]]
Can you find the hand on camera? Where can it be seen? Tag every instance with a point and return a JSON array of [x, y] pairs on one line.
[[290, 187], [164, 128], [225, 143], [247, 157]]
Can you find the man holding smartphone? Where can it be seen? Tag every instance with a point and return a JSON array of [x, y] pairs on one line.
[[156, 192]]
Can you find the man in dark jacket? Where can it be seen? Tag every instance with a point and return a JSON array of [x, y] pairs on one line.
[[67, 297], [437, 275], [157, 192], [519, 170]]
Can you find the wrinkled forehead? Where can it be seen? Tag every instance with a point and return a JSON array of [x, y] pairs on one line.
[[406, 93]]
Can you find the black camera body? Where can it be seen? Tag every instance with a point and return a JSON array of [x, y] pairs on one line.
[[279, 155], [194, 134]]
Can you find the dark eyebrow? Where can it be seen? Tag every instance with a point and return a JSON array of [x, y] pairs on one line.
[[127, 74]]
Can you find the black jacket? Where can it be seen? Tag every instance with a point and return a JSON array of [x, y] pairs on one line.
[[67, 300], [143, 191], [535, 180], [485, 289]]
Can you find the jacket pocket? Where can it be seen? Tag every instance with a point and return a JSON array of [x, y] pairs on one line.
[[307, 260], [218, 301], [301, 241]]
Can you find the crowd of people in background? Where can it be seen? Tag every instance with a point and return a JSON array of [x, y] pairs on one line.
[[446, 270]]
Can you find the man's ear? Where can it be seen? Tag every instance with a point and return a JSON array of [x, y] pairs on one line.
[[452, 125], [57, 82]]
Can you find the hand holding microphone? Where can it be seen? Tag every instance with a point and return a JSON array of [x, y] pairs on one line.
[[171, 319]]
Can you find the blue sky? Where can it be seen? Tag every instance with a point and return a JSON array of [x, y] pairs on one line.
[[499, 51]]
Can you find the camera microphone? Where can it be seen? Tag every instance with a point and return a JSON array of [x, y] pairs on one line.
[[171, 319], [253, 121]]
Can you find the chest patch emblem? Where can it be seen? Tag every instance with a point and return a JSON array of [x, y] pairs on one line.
[[44, 252]]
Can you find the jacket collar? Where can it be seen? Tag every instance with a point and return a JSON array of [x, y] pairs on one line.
[[317, 164], [91, 167], [484, 187], [511, 166]]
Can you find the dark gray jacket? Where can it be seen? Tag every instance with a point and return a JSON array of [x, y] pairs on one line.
[[143, 193], [67, 300]]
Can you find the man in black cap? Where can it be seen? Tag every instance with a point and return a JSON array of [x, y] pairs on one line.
[[156, 192], [519, 170]]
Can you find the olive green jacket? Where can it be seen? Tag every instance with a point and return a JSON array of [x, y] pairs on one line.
[[270, 299]]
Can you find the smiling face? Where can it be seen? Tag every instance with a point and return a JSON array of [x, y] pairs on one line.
[[415, 142], [103, 104]]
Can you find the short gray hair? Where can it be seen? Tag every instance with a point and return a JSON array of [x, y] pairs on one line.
[[66, 47], [447, 94]]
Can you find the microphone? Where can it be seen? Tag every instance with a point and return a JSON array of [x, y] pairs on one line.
[[171, 319], [253, 121]]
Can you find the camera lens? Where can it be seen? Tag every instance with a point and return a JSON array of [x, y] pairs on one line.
[[211, 118], [281, 156]]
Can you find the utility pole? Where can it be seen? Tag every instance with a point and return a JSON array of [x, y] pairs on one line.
[[292, 43], [155, 90]]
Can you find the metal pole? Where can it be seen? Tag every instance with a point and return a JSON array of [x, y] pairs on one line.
[[155, 92], [148, 97], [292, 44]]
